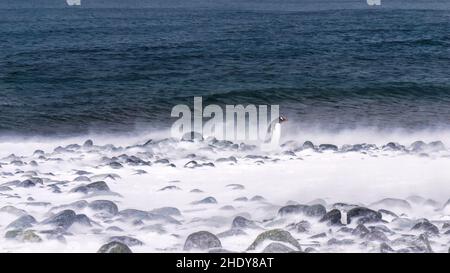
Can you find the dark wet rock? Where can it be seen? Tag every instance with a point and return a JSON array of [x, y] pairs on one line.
[[88, 144], [114, 247], [82, 173], [392, 202], [38, 153], [104, 206], [381, 228], [169, 188], [22, 222], [346, 230], [227, 207], [375, 235], [385, 248], [115, 165], [391, 146], [241, 199], [196, 191], [242, 223], [127, 240], [235, 186], [230, 159], [446, 225], [315, 211], [133, 213], [277, 248], [335, 241], [292, 209], [308, 145], [162, 161], [82, 179], [207, 200], [231, 232], [302, 226], [328, 147], [360, 230], [27, 184], [202, 240], [82, 219], [277, 235], [363, 215], [317, 236], [28, 236], [333, 217], [191, 164], [312, 211], [99, 186], [257, 198], [63, 219], [425, 226], [168, 211]]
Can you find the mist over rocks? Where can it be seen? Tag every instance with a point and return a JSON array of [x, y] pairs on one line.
[[247, 200]]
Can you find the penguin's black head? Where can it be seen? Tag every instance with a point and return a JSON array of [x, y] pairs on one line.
[[282, 119]]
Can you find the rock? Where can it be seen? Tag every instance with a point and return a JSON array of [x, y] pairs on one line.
[[335, 241], [363, 215], [207, 200], [13, 210], [277, 235], [98, 186], [241, 199], [105, 206], [168, 211], [63, 219], [242, 222], [231, 232], [114, 247], [385, 248], [328, 147], [82, 179], [311, 211], [230, 159], [376, 235], [424, 238], [127, 240], [320, 235], [5, 188], [302, 226], [27, 236], [82, 219], [88, 144], [22, 222], [202, 240], [360, 230], [235, 186], [257, 198], [315, 211], [425, 226], [332, 218], [292, 209], [277, 248], [391, 146], [308, 145], [169, 188]]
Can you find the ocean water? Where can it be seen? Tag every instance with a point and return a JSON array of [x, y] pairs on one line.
[[71, 71]]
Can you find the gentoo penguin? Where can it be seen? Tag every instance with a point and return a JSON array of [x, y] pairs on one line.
[[274, 131]]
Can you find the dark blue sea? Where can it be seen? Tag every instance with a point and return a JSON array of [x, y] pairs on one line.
[[73, 70]]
